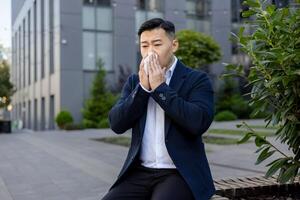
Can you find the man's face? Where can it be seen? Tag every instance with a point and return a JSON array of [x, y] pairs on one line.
[[159, 42]]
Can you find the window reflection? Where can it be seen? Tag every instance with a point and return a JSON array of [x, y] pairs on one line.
[[97, 33], [88, 2], [103, 2], [197, 15], [88, 50], [150, 5], [148, 9]]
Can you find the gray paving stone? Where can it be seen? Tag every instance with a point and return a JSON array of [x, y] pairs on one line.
[[60, 165]]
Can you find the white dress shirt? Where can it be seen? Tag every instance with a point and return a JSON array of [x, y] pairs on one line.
[[154, 153]]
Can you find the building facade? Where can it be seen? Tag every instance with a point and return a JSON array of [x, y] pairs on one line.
[[56, 45]]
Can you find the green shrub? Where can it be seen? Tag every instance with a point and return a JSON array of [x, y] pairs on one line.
[[72, 126], [225, 115], [197, 49], [63, 118], [229, 98], [104, 123]]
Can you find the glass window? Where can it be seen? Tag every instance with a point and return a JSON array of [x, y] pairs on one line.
[[151, 5], [197, 8], [155, 5], [148, 9], [141, 4], [52, 113], [140, 17], [88, 20], [88, 50], [104, 49], [89, 2], [103, 2], [152, 14], [104, 18], [237, 9]]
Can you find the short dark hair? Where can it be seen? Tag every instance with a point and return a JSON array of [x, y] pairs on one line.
[[158, 23]]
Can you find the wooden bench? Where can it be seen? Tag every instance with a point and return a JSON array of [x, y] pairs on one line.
[[238, 187]]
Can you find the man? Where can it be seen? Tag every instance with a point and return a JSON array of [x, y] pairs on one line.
[[168, 106]]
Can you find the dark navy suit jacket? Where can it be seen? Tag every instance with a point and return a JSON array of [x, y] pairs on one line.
[[189, 106]]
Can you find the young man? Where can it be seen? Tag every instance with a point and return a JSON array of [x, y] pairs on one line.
[[168, 106]]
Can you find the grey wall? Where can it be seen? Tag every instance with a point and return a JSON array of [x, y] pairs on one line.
[[71, 74], [174, 12], [124, 37], [220, 30]]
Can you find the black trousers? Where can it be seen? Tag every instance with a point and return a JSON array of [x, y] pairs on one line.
[[142, 183]]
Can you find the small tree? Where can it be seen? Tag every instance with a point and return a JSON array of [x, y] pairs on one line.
[[63, 118], [196, 49], [95, 112], [274, 48], [6, 87]]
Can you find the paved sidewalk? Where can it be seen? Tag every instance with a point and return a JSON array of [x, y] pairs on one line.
[[59, 165]]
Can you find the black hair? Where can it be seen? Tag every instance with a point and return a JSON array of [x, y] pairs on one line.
[[158, 23]]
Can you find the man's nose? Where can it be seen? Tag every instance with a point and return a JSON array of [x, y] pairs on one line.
[[151, 50]]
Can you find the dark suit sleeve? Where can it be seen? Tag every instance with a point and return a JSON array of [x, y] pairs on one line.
[[129, 108], [193, 113]]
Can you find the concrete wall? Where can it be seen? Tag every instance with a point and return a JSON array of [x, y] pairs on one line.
[[220, 30], [71, 73]]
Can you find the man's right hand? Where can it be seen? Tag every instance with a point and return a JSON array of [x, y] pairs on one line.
[[144, 78]]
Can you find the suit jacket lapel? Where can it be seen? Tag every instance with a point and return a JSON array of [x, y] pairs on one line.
[[176, 82]]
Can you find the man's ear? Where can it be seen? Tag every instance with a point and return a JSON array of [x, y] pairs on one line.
[[175, 45]]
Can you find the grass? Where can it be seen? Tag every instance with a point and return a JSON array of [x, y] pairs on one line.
[[263, 127], [238, 132], [120, 140], [219, 140], [125, 141]]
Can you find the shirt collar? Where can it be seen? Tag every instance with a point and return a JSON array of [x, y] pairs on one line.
[[170, 70]]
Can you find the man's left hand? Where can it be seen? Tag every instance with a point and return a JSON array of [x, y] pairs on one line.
[[156, 73]]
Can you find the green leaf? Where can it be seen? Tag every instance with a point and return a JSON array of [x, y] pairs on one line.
[[252, 3], [264, 155], [241, 32], [259, 149], [239, 125], [247, 13], [259, 141], [270, 9], [297, 72], [289, 174], [275, 166], [245, 138]]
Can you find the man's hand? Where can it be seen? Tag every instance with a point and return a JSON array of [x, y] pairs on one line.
[[144, 78], [156, 72]]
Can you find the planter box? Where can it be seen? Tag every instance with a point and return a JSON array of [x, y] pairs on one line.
[[5, 126]]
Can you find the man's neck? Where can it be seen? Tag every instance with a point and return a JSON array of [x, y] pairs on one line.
[[171, 62]]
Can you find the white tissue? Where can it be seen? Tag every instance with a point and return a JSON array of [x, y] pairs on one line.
[[146, 62]]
